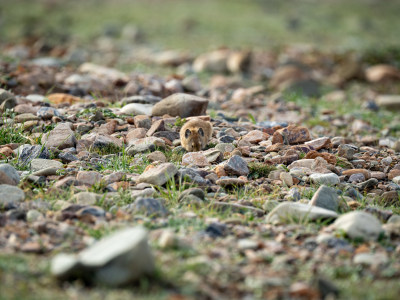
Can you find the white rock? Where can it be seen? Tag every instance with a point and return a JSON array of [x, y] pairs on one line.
[[328, 179], [359, 225]]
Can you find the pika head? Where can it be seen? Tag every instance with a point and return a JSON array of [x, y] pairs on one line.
[[195, 135]]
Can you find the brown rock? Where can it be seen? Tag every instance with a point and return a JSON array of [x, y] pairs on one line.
[[195, 158], [321, 143], [59, 98], [292, 134], [393, 173], [330, 158], [142, 121], [88, 177], [182, 105], [255, 136], [137, 133], [366, 173], [157, 126], [381, 73]]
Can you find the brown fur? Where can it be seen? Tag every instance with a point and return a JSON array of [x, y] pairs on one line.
[[195, 135]]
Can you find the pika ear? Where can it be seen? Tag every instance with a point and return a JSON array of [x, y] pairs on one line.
[[201, 132], [187, 133]]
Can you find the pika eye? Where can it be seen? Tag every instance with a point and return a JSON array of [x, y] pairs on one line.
[[187, 133], [201, 132]]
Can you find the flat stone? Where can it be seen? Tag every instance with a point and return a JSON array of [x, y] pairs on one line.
[[366, 173], [255, 136], [287, 212], [286, 178], [391, 102], [119, 259], [86, 198], [156, 156], [22, 118], [39, 164], [195, 158], [159, 175], [60, 137], [230, 182], [8, 175], [325, 197], [46, 113], [238, 208], [225, 147], [10, 196], [396, 180], [371, 259], [291, 135], [7, 100], [182, 105], [302, 163], [359, 225], [320, 143]]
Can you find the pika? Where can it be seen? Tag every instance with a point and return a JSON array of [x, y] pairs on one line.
[[195, 135]]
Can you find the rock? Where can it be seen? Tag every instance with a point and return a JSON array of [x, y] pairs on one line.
[[325, 197], [215, 61], [382, 73], [33, 215], [191, 175], [86, 198], [237, 208], [155, 127], [255, 136], [225, 147], [356, 178], [329, 179], [8, 175], [213, 155], [294, 194], [10, 196], [230, 182], [346, 151], [142, 121], [199, 193], [391, 102], [39, 164], [236, 166], [291, 135], [46, 113], [371, 259], [119, 259], [396, 180], [7, 100], [195, 158], [394, 219], [156, 156], [22, 118], [60, 137], [88, 178], [181, 105], [320, 143], [286, 178], [293, 211], [302, 163], [366, 173], [150, 207], [359, 225], [137, 109], [67, 157], [159, 175]]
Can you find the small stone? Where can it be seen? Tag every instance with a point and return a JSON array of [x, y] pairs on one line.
[[67, 157], [346, 151], [46, 113], [329, 179], [33, 215], [371, 259], [39, 164], [394, 219], [320, 143], [255, 136], [142, 121], [88, 178], [291, 135], [137, 109], [8, 175], [356, 178], [7, 100], [27, 153], [150, 207], [10, 196], [230, 182], [350, 172], [391, 102], [159, 175], [359, 225], [225, 147], [22, 118], [286, 178], [156, 156], [236, 166], [213, 155], [86, 198], [60, 137], [325, 197], [396, 180], [287, 212], [195, 158], [116, 260]]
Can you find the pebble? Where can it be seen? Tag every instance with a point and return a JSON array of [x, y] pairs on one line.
[[328, 179], [60, 137], [181, 105], [150, 207], [159, 175], [10, 196], [8, 175], [196, 159], [359, 225], [39, 164], [325, 197], [236, 166]]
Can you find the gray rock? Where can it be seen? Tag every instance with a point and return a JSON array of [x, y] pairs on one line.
[[394, 219], [389, 101], [159, 175], [7, 100], [329, 179], [229, 182], [191, 175], [27, 153], [150, 207], [294, 194], [86, 198], [371, 259], [192, 191], [237, 208], [359, 225], [10, 196], [213, 155], [368, 184], [39, 164], [33, 215], [47, 113], [103, 141], [8, 175], [182, 105], [325, 197], [347, 151], [67, 157], [356, 178], [60, 137], [140, 148], [116, 260], [287, 212], [146, 99], [236, 166], [225, 147]]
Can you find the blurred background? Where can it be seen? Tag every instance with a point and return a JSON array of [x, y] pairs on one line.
[[199, 26]]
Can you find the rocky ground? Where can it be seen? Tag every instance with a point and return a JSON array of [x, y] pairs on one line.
[[296, 196]]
